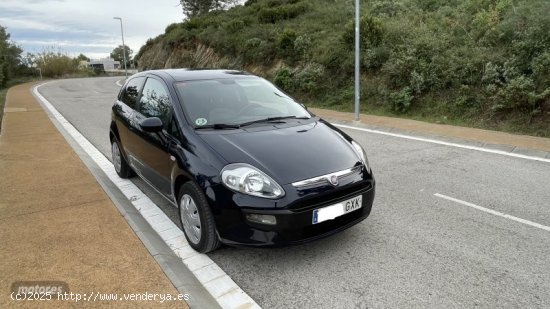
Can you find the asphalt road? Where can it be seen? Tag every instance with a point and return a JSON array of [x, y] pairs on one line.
[[415, 250]]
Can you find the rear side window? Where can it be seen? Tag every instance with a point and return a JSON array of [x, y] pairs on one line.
[[130, 94], [155, 102]]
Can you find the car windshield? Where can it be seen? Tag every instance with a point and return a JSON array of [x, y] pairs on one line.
[[215, 102]]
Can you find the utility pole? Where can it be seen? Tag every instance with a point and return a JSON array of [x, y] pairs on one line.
[[123, 47], [357, 59]]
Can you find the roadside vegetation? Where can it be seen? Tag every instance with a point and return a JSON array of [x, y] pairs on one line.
[[12, 69], [17, 68], [481, 63]]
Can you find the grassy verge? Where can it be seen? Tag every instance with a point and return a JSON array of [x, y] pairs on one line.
[[515, 123], [4, 92]]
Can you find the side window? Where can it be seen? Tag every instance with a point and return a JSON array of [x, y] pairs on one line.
[[155, 102], [130, 94]]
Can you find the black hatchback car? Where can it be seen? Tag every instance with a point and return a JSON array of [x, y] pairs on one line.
[[244, 163]]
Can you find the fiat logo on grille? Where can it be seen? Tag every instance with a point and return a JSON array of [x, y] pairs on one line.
[[333, 180]]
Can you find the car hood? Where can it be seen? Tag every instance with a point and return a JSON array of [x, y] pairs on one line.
[[286, 153]]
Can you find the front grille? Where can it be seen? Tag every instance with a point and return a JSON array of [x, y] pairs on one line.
[[331, 196], [341, 177]]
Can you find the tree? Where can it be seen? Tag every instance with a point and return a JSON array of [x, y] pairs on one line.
[[192, 8], [10, 57], [83, 57], [118, 55]]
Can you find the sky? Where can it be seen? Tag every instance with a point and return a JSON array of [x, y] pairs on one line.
[[88, 27]]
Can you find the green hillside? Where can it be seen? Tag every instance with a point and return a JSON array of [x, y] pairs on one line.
[[483, 63]]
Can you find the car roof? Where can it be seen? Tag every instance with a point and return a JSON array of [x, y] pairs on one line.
[[197, 74]]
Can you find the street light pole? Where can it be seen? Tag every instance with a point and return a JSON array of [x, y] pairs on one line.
[[123, 47], [357, 60]]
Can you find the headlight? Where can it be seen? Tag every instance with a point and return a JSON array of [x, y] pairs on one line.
[[249, 180], [362, 154]]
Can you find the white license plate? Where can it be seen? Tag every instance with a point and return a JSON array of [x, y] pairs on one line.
[[337, 210]]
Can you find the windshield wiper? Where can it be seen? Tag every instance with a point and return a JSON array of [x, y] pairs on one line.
[[219, 126], [282, 96], [224, 126], [269, 119]]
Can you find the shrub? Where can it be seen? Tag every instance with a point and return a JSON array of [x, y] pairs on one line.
[[375, 57], [398, 68], [195, 23], [338, 60], [235, 25], [371, 32], [258, 50], [283, 79], [417, 83], [55, 64], [176, 34], [302, 46], [401, 100], [518, 93], [306, 79], [492, 74], [277, 13], [387, 8], [171, 27], [285, 43], [541, 69]]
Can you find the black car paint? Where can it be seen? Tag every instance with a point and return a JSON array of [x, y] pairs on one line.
[[295, 150]]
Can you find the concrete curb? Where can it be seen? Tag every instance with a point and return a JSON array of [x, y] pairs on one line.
[[190, 272]]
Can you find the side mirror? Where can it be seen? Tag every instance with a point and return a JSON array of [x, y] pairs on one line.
[[151, 125]]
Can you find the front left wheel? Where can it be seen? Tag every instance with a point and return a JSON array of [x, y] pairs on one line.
[[197, 219]]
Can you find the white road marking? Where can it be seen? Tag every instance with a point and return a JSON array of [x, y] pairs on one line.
[[216, 279], [433, 141], [494, 212], [119, 82]]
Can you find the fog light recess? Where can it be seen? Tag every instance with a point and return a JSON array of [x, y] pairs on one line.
[[262, 219]]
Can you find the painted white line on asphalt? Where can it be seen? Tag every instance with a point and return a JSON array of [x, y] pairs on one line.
[[171, 234], [433, 141], [119, 82], [494, 212]]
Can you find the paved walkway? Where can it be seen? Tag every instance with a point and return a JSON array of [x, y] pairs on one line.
[[478, 135], [56, 223]]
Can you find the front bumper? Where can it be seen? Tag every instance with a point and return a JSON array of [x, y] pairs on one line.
[[294, 221]]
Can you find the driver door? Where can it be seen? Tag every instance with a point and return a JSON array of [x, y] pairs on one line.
[[151, 150]]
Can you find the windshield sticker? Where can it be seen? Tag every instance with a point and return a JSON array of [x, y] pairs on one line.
[[200, 121]]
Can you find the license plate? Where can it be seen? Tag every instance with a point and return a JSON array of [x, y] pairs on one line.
[[337, 210]]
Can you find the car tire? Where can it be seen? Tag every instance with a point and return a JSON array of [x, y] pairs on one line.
[[196, 218], [119, 162]]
